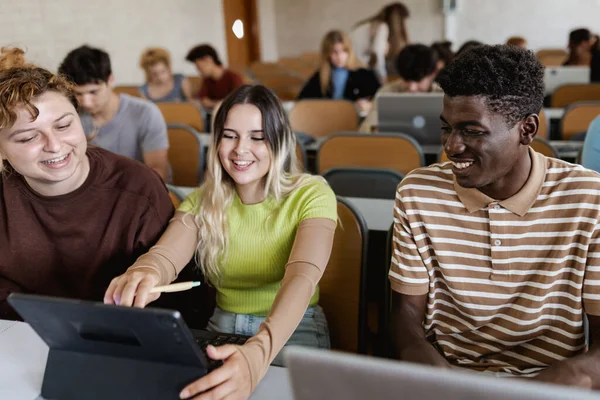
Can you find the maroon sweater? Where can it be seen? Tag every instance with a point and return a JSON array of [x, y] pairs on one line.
[[73, 245], [218, 90]]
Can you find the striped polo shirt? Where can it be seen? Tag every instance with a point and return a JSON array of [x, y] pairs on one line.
[[509, 281]]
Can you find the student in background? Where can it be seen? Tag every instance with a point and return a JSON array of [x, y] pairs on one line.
[[517, 41], [71, 216], [495, 254], [595, 61], [444, 53], [120, 123], [417, 65], [262, 232], [379, 39], [161, 84], [217, 81], [341, 75], [580, 43], [469, 44]]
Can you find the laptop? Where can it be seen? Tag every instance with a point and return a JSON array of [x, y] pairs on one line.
[[554, 77], [414, 114], [323, 375], [100, 351]]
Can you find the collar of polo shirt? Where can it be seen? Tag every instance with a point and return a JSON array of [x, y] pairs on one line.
[[520, 203]]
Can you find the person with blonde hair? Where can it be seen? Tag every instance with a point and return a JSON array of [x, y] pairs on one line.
[[341, 75], [262, 233], [71, 216], [379, 39], [161, 84]]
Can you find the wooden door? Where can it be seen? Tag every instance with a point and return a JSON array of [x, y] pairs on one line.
[[241, 30]]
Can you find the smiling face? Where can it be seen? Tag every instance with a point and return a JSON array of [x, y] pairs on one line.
[[49, 152], [486, 154], [243, 150]]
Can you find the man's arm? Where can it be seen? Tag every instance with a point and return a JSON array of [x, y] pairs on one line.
[[408, 335], [158, 160]]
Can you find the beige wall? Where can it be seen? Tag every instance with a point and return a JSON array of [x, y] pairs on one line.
[[48, 29], [302, 23]]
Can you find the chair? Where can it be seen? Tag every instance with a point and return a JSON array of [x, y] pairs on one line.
[[185, 155], [543, 128], [286, 87], [371, 183], [321, 118], [544, 147], [577, 118], [195, 84], [397, 152], [572, 93], [551, 57], [174, 199], [343, 285], [182, 113], [130, 90], [301, 155]]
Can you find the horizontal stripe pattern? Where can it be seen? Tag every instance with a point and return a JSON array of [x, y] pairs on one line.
[[506, 293]]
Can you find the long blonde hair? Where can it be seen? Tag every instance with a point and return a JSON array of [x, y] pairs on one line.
[[218, 191], [329, 41], [394, 15]]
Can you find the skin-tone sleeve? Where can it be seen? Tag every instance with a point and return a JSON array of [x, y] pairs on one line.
[[174, 249], [307, 262]]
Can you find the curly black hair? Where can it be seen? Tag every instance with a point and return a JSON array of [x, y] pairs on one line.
[[510, 78]]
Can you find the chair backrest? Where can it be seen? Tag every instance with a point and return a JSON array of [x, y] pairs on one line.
[[551, 57], [371, 183], [575, 92], [321, 118], [397, 152], [544, 147], [577, 118], [301, 155], [343, 285], [185, 155], [182, 113], [543, 128], [195, 84], [130, 90], [174, 199]]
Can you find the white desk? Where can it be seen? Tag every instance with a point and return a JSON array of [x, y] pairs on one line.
[[23, 360]]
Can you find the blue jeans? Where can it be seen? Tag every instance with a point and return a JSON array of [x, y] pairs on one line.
[[311, 332]]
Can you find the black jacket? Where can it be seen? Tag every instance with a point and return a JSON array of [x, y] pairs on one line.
[[362, 83]]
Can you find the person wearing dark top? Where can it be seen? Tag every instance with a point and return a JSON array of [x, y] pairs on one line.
[[217, 81], [72, 218], [341, 75], [580, 43], [595, 63]]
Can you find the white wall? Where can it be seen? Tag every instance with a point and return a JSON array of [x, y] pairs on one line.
[[49, 29], [544, 23], [267, 30], [302, 23]]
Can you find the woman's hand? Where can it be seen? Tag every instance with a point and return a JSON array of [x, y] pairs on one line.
[[231, 381], [133, 288]]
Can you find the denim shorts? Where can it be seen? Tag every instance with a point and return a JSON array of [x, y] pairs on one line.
[[311, 332]]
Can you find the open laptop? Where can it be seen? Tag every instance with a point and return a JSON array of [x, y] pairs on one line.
[[415, 114], [100, 351], [324, 375], [554, 77]]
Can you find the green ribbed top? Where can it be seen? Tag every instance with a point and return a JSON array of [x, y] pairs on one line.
[[260, 241]]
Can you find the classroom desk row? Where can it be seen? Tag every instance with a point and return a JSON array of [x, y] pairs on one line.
[[23, 358]]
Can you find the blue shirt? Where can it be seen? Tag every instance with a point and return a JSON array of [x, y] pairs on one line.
[[590, 156], [339, 77], [175, 95]]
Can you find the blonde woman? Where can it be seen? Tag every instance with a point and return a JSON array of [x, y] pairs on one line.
[[161, 84], [379, 39], [262, 233], [341, 75]]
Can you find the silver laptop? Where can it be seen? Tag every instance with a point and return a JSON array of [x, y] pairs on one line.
[[554, 77], [415, 114], [325, 375]]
